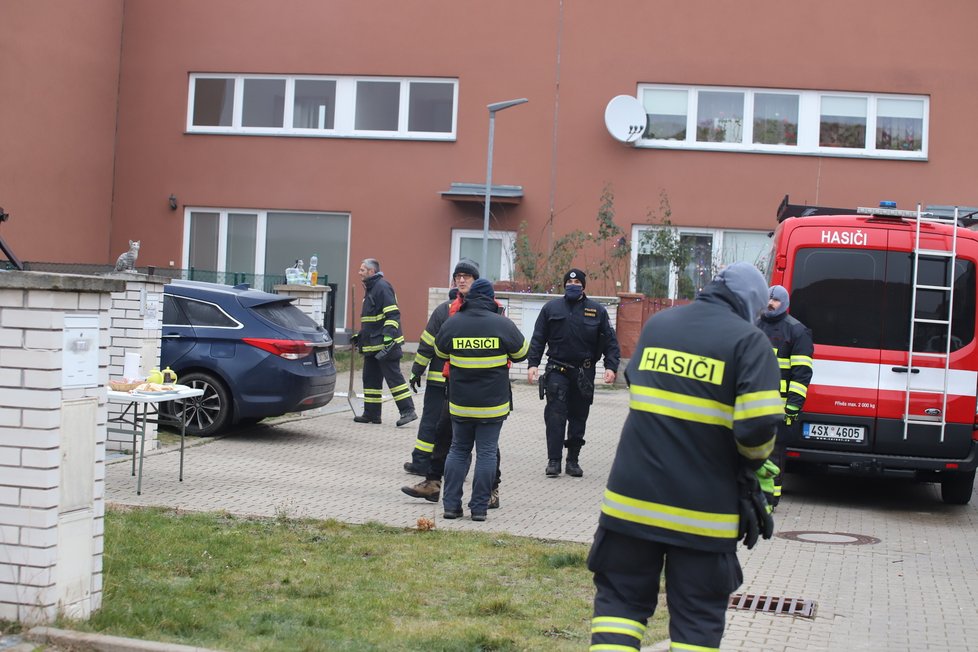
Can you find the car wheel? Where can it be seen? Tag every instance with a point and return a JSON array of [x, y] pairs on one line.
[[205, 415], [957, 489]]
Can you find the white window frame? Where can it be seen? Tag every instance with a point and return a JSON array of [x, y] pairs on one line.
[[809, 118], [716, 254], [506, 262], [344, 110]]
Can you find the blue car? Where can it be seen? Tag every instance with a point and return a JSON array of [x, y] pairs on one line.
[[253, 353]]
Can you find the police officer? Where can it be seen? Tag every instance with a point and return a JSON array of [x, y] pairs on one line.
[[792, 343], [479, 344], [380, 341], [576, 331], [682, 489]]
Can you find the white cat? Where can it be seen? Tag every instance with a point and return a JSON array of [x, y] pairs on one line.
[[127, 261]]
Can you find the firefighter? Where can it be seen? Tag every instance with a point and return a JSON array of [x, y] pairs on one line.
[[682, 489], [479, 344], [380, 341], [792, 343], [576, 331]]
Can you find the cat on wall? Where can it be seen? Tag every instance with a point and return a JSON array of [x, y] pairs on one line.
[[127, 261]]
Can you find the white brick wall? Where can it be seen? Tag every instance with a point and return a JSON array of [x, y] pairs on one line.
[[33, 307], [310, 299]]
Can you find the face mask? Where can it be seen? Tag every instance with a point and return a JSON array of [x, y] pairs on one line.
[[573, 292]]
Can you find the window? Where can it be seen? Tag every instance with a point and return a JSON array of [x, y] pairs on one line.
[[402, 108], [698, 254], [468, 244], [192, 312], [255, 247], [786, 121]]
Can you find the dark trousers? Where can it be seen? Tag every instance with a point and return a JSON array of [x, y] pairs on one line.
[[565, 416], [778, 457], [443, 442], [626, 575], [424, 445], [375, 372]]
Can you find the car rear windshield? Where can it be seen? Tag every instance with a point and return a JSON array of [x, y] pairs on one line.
[[861, 298], [286, 315]]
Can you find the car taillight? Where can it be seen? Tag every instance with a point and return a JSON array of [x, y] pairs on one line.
[[288, 349]]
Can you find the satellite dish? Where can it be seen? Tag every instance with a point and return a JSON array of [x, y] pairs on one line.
[[625, 118]]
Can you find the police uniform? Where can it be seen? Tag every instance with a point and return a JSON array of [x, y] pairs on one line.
[[479, 344], [380, 325], [704, 406], [576, 333], [793, 346]]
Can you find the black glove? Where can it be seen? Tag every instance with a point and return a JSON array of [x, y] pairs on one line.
[[415, 382], [354, 338], [755, 515], [389, 345], [791, 413]]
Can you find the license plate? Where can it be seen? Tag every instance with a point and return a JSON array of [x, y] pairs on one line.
[[833, 432], [322, 357]]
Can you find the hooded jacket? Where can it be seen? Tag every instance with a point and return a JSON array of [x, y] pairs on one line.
[[379, 316], [479, 343], [704, 403]]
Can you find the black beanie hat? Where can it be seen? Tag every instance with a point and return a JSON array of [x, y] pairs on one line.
[[578, 274], [482, 286], [466, 266]]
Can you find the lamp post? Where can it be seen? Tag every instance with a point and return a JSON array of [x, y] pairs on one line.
[[493, 108]]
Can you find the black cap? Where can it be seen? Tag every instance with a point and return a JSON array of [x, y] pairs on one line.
[[467, 266], [576, 273]]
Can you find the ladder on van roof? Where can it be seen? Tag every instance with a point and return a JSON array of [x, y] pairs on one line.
[[949, 256]]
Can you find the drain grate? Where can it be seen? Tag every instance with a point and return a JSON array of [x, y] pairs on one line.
[[773, 604]]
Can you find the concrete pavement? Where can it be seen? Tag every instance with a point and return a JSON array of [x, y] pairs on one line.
[[885, 564]]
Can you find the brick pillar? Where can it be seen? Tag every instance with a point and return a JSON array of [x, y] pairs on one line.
[[310, 299], [54, 356]]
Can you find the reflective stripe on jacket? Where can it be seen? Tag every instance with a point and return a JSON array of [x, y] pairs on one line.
[[792, 344], [426, 346], [704, 401], [379, 316]]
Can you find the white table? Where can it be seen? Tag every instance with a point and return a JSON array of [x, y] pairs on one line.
[[133, 420]]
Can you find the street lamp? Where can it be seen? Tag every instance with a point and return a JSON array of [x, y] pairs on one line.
[[493, 108]]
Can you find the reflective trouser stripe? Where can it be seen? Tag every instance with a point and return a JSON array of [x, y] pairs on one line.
[[373, 396], [424, 446], [613, 625], [696, 648], [401, 392], [608, 647]]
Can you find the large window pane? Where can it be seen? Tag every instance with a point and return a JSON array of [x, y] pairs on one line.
[[472, 248], [242, 235], [667, 111], [747, 246], [315, 104], [431, 107], [264, 103], [290, 236], [213, 102], [652, 275], [775, 119], [698, 270], [720, 117], [900, 124], [843, 122], [377, 106], [203, 240]]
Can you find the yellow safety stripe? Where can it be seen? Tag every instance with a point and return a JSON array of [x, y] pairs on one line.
[[390, 308], [372, 399], [777, 491], [798, 388], [399, 388], [422, 360], [758, 404], [482, 362], [393, 323], [610, 647], [689, 521], [687, 646], [784, 363], [613, 625], [373, 392], [435, 376], [439, 352], [784, 386], [371, 318], [489, 412], [428, 338], [681, 406], [801, 361], [401, 395], [523, 349], [425, 446], [761, 452]]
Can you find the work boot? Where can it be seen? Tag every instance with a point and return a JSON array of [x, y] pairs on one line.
[[452, 513], [415, 469], [430, 490], [494, 499], [478, 517], [573, 469], [363, 418], [407, 417], [553, 468]]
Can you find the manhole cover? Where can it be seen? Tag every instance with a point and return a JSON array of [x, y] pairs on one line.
[[834, 538], [774, 604]]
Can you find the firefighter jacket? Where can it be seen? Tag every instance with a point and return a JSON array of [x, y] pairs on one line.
[[576, 333], [426, 346], [792, 342], [479, 343], [704, 402], [379, 316]]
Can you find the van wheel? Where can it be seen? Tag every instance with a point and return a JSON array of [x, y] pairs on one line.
[[205, 415], [956, 489]]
